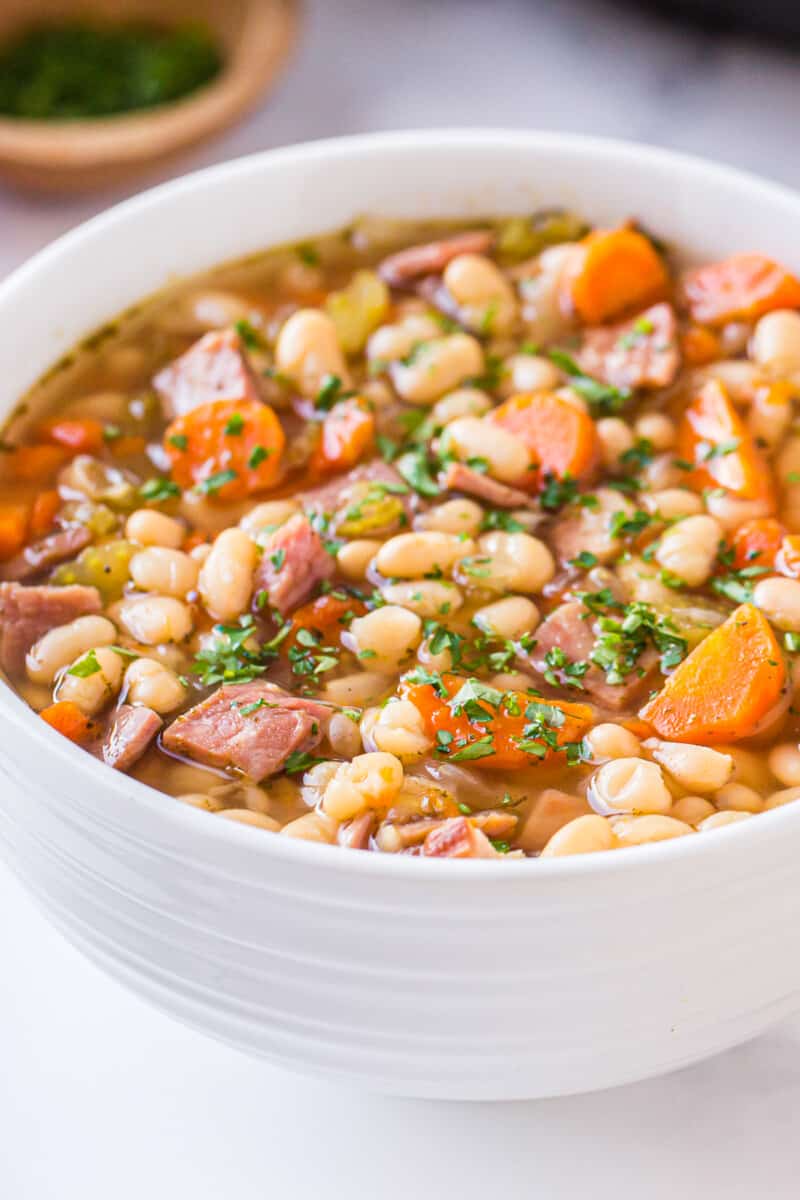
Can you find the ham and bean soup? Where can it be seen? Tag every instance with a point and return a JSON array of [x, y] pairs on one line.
[[474, 541]]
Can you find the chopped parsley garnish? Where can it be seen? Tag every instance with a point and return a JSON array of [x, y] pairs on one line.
[[233, 657], [497, 518], [331, 393], [439, 638], [111, 433], [309, 658], [210, 486], [640, 454], [300, 761], [557, 492], [179, 440], [622, 640], [278, 559], [572, 673], [234, 425], [258, 455], [636, 334], [414, 467], [792, 642], [602, 398], [624, 525], [387, 448], [737, 586], [719, 450], [249, 335], [86, 666], [585, 560], [481, 748], [159, 489]]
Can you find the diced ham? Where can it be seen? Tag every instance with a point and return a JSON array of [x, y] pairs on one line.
[[355, 834], [570, 628], [431, 258], [550, 811], [293, 562], [334, 498], [253, 727], [457, 838], [26, 613], [53, 549], [457, 477], [639, 353], [131, 732], [493, 824], [214, 368]]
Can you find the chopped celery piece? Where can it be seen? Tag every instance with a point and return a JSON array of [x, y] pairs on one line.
[[358, 309]]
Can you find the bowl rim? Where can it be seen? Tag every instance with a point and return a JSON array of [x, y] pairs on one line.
[[182, 817]]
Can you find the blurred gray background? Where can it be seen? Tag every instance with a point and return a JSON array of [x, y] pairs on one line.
[[596, 66]]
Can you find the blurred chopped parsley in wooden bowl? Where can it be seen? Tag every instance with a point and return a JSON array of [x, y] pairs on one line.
[[93, 91]]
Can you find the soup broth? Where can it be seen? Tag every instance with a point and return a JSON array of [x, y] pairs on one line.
[[465, 540]]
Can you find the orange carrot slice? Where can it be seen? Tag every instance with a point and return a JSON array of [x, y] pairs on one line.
[[79, 436], [614, 270], [231, 448], [37, 464], [67, 719], [716, 441], [13, 529], [700, 346], [726, 688], [739, 289], [43, 513], [326, 617], [756, 543], [492, 731], [348, 431], [561, 438]]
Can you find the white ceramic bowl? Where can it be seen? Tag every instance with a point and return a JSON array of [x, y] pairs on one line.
[[424, 978]]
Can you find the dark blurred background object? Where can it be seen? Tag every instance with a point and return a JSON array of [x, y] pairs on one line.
[[773, 18]]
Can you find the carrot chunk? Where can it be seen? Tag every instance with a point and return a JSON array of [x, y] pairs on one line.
[[756, 543], [348, 431], [561, 438], [727, 686], [495, 730], [232, 448], [43, 513], [37, 464], [13, 529], [127, 446], [739, 288], [614, 270], [723, 453], [324, 618], [700, 346], [67, 719], [79, 436]]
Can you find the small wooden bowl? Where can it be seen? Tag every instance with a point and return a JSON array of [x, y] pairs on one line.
[[255, 37]]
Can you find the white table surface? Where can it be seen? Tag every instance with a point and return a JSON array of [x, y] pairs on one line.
[[100, 1096]]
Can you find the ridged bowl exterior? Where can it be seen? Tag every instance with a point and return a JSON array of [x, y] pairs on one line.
[[423, 978]]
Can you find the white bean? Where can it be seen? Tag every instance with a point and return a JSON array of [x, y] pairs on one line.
[[629, 785], [639, 831], [412, 555], [312, 827], [471, 437], [158, 569], [151, 528], [368, 781], [226, 577], [343, 735], [308, 350], [64, 644], [770, 415], [391, 342], [509, 618], [485, 298], [689, 549], [426, 597], [607, 741], [779, 600], [463, 402], [154, 685], [784, 762], [528, 373], [719, 819], [353, 558], [508, 562], [246, 816], [460, 516], [385, 638], [616, 438], [736, 797], [151, 620], [658, 429], [582, 835], [94, 691], [731, 512], [692, 809], [785, 796], [399, 728], [263, 518], [776, 341], [442, 660], [437, 367], [696, 768], [357, 691], [672, 503]]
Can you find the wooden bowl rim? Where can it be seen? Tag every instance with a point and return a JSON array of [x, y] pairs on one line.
[[267, 38]]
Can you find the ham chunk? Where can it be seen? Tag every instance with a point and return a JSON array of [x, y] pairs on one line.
[[131, 732], [51, 550], [570, 628], [551, 809], [457, 838], [26, 613], [431, 258], [214, 368], [458, 477], [293, 563], [640, 353], [253, 727]]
